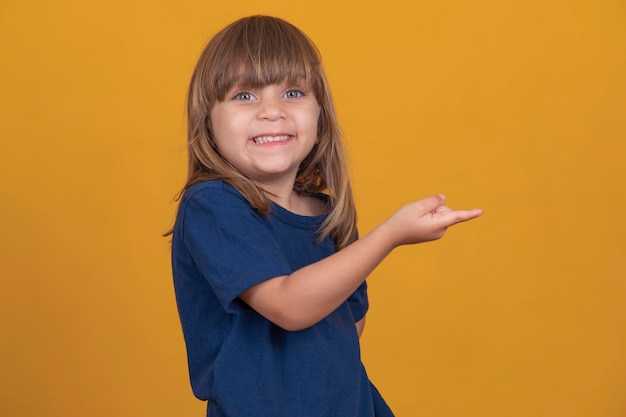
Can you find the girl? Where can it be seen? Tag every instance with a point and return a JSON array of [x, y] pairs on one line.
[[268, 271]]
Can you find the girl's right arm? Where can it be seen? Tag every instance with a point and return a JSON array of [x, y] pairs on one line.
[[301, 299]]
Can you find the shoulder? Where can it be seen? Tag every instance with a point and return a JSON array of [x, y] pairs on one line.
[[213, 192], [211, 201]]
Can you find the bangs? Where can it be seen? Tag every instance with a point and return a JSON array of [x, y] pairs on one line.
[[258, 52]]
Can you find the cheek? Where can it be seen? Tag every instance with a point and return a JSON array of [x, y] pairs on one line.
[[223, 127], [313, 118]]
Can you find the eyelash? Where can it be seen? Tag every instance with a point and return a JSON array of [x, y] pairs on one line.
[[238, 96], [298, 92]]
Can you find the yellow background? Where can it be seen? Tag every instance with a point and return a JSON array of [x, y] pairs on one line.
[[515, 107]]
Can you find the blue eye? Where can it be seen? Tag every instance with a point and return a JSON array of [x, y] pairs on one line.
[[294, 94], [244, 95]]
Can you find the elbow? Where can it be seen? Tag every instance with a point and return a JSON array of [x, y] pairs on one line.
[[289, 327], [293, 322]]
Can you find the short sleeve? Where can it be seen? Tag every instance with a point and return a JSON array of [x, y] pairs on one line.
[[229, 242]]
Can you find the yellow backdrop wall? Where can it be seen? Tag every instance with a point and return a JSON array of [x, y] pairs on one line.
[[515, 107]]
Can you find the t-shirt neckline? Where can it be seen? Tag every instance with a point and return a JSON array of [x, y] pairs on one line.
[[297, 220]]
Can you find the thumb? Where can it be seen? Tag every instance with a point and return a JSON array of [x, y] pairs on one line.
[[431, 203]]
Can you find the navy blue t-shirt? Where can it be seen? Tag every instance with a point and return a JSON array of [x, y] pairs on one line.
[[239, 361]]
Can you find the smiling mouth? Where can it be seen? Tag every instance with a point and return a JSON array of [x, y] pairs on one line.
[[270, 139]]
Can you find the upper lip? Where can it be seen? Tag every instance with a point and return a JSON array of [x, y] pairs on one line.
[[273, 134]]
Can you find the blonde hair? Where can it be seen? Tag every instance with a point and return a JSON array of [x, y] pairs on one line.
[[253, 52]]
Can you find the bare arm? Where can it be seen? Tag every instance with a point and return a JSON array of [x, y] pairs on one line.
[[360, 325], [301, 299]]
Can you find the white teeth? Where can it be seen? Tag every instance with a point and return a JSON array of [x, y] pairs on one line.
[[267, 139]]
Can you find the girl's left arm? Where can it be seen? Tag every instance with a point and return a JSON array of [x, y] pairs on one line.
[[304, 297]]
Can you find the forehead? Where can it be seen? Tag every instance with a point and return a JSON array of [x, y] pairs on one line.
[[284, 83], [268, 71]]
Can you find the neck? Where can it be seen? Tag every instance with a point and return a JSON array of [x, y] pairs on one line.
[[281, 193], [284, 195]]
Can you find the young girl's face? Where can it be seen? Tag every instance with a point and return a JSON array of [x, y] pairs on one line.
[[266, 132]]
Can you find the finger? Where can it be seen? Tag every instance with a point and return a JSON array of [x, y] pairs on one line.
[[430, 204], [459, 216]]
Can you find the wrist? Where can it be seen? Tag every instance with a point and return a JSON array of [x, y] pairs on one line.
[[386, 235]]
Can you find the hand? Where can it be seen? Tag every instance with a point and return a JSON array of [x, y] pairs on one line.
[[425, 220]]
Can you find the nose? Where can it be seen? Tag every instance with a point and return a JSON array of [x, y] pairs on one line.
[[271, 108]]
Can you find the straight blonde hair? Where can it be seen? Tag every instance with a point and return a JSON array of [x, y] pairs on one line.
[[257, 51]]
